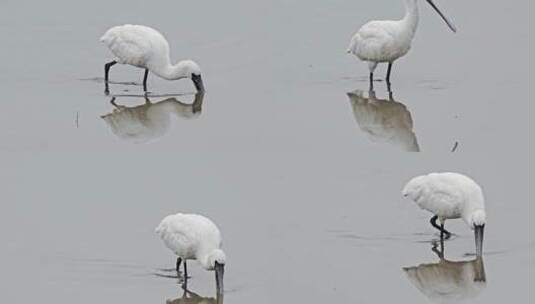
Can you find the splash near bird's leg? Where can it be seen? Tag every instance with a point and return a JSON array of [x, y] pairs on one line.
[[107, 67], [145, 80], [444, 234]]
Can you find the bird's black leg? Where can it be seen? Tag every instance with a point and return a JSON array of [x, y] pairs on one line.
[[371, 81], [443, 232], [107, 67], [438, 252], [185, 284], [178, 261], [388, 73], [112, 101], [145, 87], [388, 84]]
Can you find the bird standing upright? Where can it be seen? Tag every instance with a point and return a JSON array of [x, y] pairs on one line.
[[146, 48], [450, 196], [387, 40], [194, 237]]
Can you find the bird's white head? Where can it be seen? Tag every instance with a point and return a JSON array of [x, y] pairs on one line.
[[189, 69], [216, 261], [477, 218], [414, 188], [217, 256]]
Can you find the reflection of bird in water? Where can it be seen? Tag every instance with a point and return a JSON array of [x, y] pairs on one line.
[[149, 121], [449, 281], [190, 297], [384, 120]]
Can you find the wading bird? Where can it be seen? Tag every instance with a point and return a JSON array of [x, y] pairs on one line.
[[450, 196], [194, 237], [387, 40], [146, 48]]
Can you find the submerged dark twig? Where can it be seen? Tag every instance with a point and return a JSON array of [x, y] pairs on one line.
[[455, 146]]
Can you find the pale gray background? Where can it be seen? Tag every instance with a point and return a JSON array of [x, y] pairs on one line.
[[309, 207]]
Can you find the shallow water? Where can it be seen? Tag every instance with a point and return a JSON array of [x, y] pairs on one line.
[[308, 202]]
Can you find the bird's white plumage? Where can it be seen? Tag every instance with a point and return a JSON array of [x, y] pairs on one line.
[[145, 47], [137, 45], [449, 281], [388, 40], [384, 120], [448, 195], [385, 40], [192, 237]]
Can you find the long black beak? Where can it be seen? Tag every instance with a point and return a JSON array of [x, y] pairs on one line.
[[478, 231], [197, 81], [448, 22], [219, 272]]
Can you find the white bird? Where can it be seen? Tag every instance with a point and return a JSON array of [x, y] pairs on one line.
[[387, 40], [450, 196], [449, 281], [147, 122], [384, 120], [146, 48], [194, 237]]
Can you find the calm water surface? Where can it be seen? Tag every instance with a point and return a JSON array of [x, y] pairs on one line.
[[303, 178]]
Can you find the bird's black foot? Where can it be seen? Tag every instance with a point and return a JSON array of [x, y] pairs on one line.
[[444, 234]]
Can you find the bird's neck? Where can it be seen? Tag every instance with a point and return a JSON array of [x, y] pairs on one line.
[[171, 72], [207, 257], [411, 16], [203, 257]]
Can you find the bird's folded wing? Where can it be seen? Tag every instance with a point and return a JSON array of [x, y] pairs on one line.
[[441, 201], [130, 48]]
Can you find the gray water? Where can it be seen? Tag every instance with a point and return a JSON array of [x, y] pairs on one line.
[[308, 199]]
